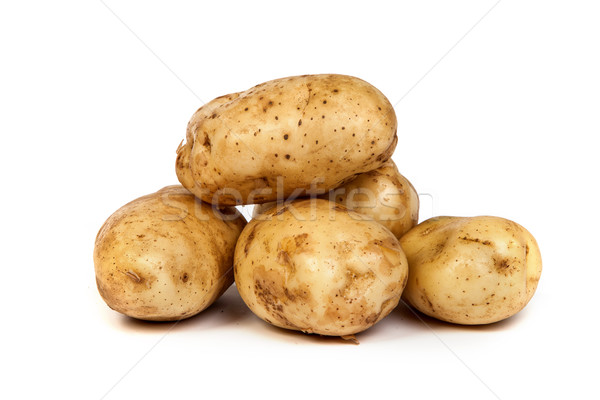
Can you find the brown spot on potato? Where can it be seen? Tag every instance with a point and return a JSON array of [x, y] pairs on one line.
[[476, 240], [356, 280], [299, 122], [502, 265], [284, 258], [389, 305], [291, 296], [281, 211], [184, 277], [404, 281], [133, 276], [207, 142], [300, 240], [372, 318], [293, 244], [428, 230], [426, 299], [303, 294], [260, 183], [249, 239], [269, 290], [438, 249]]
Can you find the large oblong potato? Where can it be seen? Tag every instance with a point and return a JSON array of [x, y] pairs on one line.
[[166, 256], [471, 270], [383, 194], [317, 267], [292, 136]]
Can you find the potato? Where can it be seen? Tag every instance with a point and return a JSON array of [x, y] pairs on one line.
[[317, 267], [382, 194], [475, 270], [166, 256], [284, 138]]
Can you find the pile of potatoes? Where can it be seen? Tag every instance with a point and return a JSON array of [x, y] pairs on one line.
[[333, 245]]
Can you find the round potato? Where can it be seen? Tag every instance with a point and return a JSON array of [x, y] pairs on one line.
[[166, 256], [317, 131], [317, 267], [473, 270], [382, 194]]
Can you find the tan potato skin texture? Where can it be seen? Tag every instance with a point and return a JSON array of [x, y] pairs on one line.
[[383, 194], [302, 128], [165, 256], [316, 267], [471, 270]]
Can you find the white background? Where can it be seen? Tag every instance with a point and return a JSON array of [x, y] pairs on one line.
[[502, 121]]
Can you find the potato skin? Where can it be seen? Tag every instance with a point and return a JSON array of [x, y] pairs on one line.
[[165, 256], [471, 270], [317, 131], [317, 267], [383, 194]]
